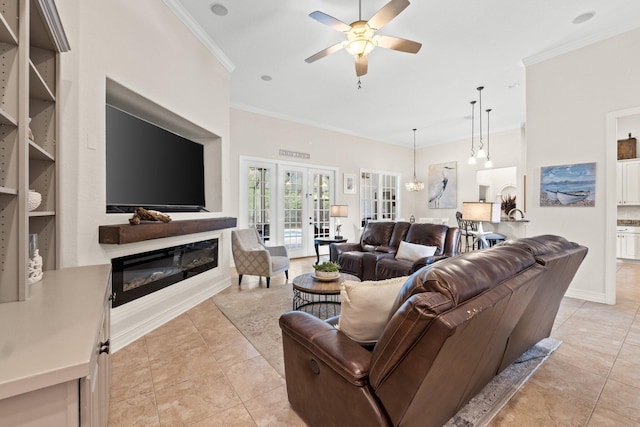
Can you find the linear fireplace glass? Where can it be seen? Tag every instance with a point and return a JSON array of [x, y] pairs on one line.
[[135, 276]]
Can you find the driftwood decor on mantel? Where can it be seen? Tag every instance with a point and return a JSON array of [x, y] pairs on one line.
[[126, 233]]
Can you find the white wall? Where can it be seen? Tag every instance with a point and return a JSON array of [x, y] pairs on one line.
[[143, 46], [257, 135], [507, 148], [568, 99]]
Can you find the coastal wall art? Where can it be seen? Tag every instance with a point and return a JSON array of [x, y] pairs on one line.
[[442, 181], [568, 185]]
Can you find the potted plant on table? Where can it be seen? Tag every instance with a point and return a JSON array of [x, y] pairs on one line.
[[328, 270]]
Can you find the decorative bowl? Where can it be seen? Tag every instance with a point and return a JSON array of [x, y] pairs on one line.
[[34, 201], [326, 276]]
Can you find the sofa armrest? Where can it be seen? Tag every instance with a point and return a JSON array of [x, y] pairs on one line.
[[344, 356], [417, 265], [277, 250], [335, 249]]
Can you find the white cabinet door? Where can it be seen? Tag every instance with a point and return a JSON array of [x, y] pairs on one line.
[[631, 183], [631, 246]]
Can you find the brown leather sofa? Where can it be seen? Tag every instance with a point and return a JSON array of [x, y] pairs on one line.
[[373, 258], [454, 326]]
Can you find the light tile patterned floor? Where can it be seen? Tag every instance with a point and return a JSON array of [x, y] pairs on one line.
[[199, 370]]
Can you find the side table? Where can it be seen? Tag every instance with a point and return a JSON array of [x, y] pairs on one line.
[[323, 242], [320, 298]]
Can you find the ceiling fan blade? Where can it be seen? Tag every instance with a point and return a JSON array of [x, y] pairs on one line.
[[396, 43], [330, 21], [387, 13], [325, 52], [362, 63]]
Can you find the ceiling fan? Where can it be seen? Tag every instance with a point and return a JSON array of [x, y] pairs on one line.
[[361, 37]]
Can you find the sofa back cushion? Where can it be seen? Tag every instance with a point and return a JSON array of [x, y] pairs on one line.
[[428, 235], [376, 234]]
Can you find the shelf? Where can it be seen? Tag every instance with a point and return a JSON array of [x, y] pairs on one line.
[[38, 153], [41, 213], [6, 33], [37, 86], [6, 190], [127, 233], [7, 119]]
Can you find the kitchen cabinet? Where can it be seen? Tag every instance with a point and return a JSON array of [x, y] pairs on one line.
[[628, 242], [628, 182]]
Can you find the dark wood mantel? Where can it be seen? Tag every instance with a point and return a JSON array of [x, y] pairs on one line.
[[127, 233]]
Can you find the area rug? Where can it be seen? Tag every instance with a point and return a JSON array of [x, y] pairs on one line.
[[255, 312]]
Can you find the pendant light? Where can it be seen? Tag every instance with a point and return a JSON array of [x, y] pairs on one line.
[[472, 158], [488, 163], [414, 184], [481, 154]]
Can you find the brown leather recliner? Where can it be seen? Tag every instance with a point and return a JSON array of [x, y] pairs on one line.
[[373, 258], [449, 334]]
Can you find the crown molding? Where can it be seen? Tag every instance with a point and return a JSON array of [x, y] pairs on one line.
[[176, 7], [577, 44]]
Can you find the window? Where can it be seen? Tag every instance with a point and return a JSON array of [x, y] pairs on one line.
[[378, 196], [259, 193]]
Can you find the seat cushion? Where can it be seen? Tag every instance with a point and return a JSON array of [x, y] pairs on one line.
[[279, 263], [365, 308]]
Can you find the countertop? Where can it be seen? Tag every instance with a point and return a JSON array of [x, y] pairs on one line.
[[629, 222], [49, 338]]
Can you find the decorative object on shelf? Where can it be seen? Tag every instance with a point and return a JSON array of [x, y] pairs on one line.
[[442, 186], [412, 219], [34, 201], [30, 132], [568, 185], [34, 272], [339, 211], [508, 204], [414, 184], [481, 153], [143, 214], [328, 270], [627, 148], [349, 181], [361, 38]]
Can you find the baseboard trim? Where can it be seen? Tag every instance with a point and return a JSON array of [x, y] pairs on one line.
[[139, 317], [586, 295]]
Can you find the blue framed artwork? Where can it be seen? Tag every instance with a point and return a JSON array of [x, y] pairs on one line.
[[568, 185]]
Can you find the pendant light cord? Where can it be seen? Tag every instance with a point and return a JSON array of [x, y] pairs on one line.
[[414, 154]]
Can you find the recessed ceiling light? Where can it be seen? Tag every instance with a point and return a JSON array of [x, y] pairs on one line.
[[266, 78], [219, 9], [583, 18]]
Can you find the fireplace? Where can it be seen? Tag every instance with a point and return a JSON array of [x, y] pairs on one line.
[[137, 275]]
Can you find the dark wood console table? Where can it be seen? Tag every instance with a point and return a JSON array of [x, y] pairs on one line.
[[323, 242]]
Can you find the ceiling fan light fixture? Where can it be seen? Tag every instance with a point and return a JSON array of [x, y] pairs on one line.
[[360, 39]]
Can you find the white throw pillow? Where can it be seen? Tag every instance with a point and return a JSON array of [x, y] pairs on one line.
[[413, 252], [365, 307]]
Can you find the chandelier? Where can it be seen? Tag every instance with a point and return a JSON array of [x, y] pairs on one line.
[[481, 154], [414, 184]]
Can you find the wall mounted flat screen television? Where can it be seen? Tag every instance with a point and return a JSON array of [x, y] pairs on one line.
[[150, 167]]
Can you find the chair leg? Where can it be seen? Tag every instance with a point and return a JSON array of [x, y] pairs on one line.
[[268, 281], [286, 274], [239, 279]]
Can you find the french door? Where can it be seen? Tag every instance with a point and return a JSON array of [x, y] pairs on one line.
[[287, 203]]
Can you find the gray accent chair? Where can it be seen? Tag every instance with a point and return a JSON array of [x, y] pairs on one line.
[[252, 257]]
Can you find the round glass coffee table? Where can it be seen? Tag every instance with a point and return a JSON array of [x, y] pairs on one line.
[[318, 297]]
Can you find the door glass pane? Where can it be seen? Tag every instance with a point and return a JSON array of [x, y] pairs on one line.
[[368, 196], [259, 200], [389, 188], [293, 197], [321, 201]]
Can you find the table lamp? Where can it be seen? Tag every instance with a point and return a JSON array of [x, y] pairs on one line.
[[481, 212], [339, 211]]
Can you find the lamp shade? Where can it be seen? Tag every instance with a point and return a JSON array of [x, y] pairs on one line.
[[479, 211], [339, 211]]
